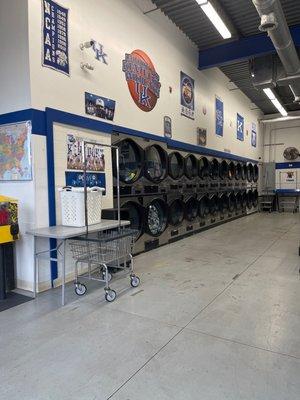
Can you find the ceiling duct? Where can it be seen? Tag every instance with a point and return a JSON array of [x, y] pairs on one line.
[[273, 21]]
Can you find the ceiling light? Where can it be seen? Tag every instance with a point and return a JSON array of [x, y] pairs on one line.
[[215, 18], [276, 102]]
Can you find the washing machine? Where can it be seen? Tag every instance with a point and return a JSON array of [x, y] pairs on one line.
[[191, 173], [239, 202], [175, 178], [203, 210], [231, 175], [250, 172], [155, 221], [223, 172], [191, 208], [204, 174], [213, 204], [176, 214], [255, 173], [244, 175], [232, 204], [238, 175], [223, 205]]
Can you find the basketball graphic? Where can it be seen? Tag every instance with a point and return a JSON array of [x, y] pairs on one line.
[[142, 79]]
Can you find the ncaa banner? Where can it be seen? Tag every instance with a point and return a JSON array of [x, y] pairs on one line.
[[240, 124], [187, 97], [55, 36], [219, 116]]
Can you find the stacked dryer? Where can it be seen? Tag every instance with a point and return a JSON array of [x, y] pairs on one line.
[[252, 188]]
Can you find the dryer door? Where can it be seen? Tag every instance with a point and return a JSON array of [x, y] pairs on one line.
[[203, 168], [176, 212], [238, 171], [255, 173], [214, 168], [156, 217], [191, 209], [224, 170], [231, 170], [249, 199], [250, 172], [133, 212], [232, 202], [176, 165], [131, 161], [203, 207], [191, 166], [155, 163]]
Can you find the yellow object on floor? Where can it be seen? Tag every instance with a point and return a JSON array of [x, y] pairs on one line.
[[9, 228]]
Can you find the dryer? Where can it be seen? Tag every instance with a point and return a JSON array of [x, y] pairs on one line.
[[238, 175], [203, 210], [175, 180], [176, 214], [191, 173], [232, 207], [204, 174], [191, 207], [231, 174], [223, 172], [250, 172], [223, 205], [214, 174], [213, 204]]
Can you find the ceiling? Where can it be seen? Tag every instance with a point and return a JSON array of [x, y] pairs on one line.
[[243, 20]]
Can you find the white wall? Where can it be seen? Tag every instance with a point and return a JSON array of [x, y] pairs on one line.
[[14, 50], [121, 27]]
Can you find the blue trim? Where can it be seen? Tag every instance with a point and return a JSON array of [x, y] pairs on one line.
[[294, 191], [36, 117], [205, 151], [242, 49], [287, 165], [133, 132]]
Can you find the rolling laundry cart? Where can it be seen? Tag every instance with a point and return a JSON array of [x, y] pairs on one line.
[[111, 248]]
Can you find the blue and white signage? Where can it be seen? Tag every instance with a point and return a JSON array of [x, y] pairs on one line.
[[253, 135], [219, 116], [187, 96], [100, 54], [240, 126], [55, 37]]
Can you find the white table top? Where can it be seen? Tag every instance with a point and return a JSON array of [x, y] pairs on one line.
[[67, 232]]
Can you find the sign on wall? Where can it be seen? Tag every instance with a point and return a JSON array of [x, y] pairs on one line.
[[253, 135], [167, 127], [55, 36], [100, 107], [240, 126], [76, 179], [100, 54], [201, 136], [15, 152], [142, 79], [219, 116], [187, 95], [95, 160]]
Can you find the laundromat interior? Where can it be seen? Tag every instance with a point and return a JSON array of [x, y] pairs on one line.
[[149, 200]]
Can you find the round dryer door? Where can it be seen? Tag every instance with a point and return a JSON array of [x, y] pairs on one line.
[[133, 212], [214, 168], [238, 197], [191, 166], [255, 173], [244, 199], [176, 165], [203, 168], [156, 217], [155, 163], [238, 171], [203, 207], [176, 212], [191, 209], [131, 161], [255, 198], [231, 171], [223, 203], [213, 205], [249, 199], [250, 172], [244, 172], [224, 170], [232, 202]]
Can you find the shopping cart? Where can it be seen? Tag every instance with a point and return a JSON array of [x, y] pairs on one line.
[[101, 251]]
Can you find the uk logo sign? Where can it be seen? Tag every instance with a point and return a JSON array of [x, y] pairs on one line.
[[142, 79], [240, 126]]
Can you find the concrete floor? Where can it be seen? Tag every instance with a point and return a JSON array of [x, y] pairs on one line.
[[217, 316]]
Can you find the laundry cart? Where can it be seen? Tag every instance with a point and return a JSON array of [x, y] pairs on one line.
[[99, 252]]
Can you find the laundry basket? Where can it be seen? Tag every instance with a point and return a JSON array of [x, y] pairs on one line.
[[72, 205]]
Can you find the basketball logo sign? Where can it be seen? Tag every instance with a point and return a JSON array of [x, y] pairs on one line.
[[142, 79]]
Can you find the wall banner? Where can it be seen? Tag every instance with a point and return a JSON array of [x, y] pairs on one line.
[[55, 36], [240, 126], [167, 127], [253, 135], [219, 117], [76, 179], [95, 160], [187, 96], [142, 79], [100, 107], [201, 136]]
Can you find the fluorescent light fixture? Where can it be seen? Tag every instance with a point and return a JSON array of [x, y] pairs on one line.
[[215, 18], [275, 101]]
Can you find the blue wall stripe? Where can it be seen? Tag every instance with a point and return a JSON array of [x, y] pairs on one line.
[[36, 117], [287, 165]]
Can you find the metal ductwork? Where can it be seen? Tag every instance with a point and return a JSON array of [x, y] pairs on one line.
[[273, 21]]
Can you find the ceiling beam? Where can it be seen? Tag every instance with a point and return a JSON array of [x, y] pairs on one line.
[[242, 49]]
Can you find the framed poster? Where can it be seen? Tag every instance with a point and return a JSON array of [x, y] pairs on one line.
[[240, 126], [167, 127], [219, 116], [55, 36], [95, 161], [187, 96], [201, 136], [100, 107], [253, 135], [15, 152]]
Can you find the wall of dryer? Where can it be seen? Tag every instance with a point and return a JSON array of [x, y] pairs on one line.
[[168, 194]]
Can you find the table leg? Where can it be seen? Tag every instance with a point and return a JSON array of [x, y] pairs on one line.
[[63, 272], [34, 268]]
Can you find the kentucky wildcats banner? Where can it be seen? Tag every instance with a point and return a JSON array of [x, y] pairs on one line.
[[55, 36], [219, 116], [240, 123], [187, 97]]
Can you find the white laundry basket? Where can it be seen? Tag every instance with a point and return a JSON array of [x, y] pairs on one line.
[[72, 205]]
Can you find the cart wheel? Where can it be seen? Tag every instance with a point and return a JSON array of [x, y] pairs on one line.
[[110, 295], [109, 276], [134, 281], [80, 289]]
